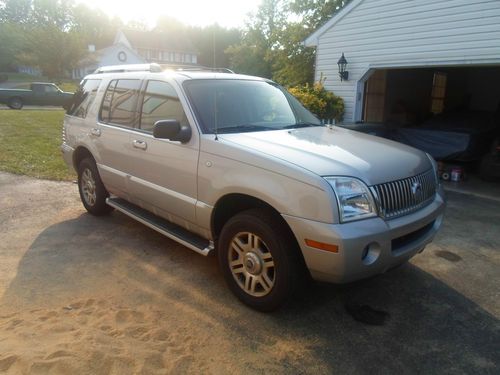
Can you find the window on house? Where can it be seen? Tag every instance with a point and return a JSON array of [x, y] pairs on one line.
[[438, 92]]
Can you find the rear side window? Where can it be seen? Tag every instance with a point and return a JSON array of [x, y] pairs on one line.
[[84, 97], [160, 103], [120, 102]]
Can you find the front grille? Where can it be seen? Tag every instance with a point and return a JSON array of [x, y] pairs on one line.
[[401, 197]]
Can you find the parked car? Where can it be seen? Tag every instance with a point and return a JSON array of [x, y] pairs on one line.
[[39, 93], [234, 164], [460, 136]]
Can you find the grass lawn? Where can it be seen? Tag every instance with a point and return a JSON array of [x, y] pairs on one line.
[[29, 144]]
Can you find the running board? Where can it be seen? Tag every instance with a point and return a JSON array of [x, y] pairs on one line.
[[165, 227]]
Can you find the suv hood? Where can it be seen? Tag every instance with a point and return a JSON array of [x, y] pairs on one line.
[[337, 151]]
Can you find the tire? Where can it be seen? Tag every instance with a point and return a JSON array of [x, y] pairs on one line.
[[259, 259], [92, 191], [15, 103]]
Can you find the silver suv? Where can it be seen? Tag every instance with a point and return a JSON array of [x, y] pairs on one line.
[[235, 164]]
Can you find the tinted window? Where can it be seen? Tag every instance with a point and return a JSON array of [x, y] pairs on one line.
[[245, 105], [120, 102], [160, 103], [84, 97], [51, 89]]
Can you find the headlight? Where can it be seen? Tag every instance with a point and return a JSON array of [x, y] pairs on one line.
[[354, 199], [434, 167]]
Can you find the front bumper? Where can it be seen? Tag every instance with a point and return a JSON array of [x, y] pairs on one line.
[[366, 247]]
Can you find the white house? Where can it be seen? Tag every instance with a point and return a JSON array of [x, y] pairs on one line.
[[138, 47], [116, 54], [408, 58]]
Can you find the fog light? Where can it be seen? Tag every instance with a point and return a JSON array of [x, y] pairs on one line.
[[370, 253]]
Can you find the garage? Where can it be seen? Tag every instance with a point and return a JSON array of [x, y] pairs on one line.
[[425, 73], [453, 113]]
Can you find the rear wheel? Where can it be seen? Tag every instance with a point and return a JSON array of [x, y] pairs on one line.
[[259, 259], [92, 191], [15, 103]]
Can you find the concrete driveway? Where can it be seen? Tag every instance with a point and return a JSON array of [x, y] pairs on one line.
[[80, 294]]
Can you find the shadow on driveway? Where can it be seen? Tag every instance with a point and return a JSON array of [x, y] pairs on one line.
[[432, 328]]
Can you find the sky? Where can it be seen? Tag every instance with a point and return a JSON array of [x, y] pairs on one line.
[[227, 13]]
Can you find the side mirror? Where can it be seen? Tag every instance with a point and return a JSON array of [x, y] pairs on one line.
[[171, 130]]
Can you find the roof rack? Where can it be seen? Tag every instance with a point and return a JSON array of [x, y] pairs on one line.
[[199, 68], [153, 67], [205, 69]]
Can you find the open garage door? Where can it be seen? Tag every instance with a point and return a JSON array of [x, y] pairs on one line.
[[451, 112]]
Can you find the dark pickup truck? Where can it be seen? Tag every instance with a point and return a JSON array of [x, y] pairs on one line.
[[40, 93]]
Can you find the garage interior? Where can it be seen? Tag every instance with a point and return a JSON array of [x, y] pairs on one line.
[[451, 112]]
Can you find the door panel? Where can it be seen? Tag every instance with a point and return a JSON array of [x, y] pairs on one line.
[[163, 173], [115, 151], [118, 116]]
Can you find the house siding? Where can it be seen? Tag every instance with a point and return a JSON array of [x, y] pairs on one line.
[[407, 33]]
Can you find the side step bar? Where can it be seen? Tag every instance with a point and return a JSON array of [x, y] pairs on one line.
[[168, 229]]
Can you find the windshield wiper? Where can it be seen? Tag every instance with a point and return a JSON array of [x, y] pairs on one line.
[[243, 128], [300, 125]]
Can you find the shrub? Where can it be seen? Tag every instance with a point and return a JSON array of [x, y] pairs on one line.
[[324, 104]]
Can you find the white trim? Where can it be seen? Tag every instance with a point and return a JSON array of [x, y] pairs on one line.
[[430, 64], [312, 40]]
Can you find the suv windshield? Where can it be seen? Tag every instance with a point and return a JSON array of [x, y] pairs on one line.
[[233, 106]]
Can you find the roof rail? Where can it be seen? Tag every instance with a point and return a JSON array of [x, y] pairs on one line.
[[202, 69], [153, 67]]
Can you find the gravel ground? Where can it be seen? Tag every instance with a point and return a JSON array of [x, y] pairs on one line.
[[87, 295]]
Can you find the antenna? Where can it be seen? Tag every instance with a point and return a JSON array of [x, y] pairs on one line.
[[215, 113], [215, 97], [213, 47]]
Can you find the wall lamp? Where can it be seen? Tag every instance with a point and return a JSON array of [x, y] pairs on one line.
[[343, 73]]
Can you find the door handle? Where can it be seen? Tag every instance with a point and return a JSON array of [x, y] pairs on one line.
[[96, 132], [139, 144]]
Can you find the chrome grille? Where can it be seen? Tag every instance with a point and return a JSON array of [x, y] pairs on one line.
[[401, 197]]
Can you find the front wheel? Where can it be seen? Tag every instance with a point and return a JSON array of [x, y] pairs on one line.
[[259, 259], [92, 191]]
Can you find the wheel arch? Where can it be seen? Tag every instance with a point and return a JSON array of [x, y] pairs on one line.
[[79, 154], [231, 204]]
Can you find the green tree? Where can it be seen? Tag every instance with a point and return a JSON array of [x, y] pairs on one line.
[[257, 51], [15, 11], [211, 43], [315, 13], [94, 26], [272, 43], [56, 13], [53, 51], [12, 43]]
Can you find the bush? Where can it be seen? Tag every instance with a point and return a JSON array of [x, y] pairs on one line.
[[324, 104]]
